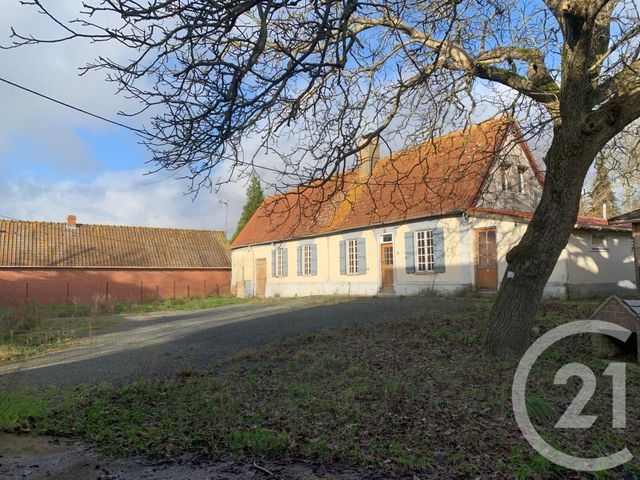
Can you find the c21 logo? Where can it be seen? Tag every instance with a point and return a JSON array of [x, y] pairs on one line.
[[573, 417]]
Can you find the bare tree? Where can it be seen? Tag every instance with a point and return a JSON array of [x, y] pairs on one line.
[[329, 72]]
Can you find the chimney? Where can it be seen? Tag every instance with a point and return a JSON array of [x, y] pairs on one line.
[[368, 157], [71, 222], [604, 209]]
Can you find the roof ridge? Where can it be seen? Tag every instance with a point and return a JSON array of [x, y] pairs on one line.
[[46, 222], [403, 151]]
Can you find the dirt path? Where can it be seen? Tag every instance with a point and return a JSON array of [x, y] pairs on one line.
[[35, 458], [159, 345]]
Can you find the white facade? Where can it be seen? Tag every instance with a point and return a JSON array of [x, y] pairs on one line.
[[440, 254], [582, 270]]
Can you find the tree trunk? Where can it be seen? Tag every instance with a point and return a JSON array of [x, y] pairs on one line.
[[531, 262]]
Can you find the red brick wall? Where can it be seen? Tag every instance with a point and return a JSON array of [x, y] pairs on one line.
[[84, 286]]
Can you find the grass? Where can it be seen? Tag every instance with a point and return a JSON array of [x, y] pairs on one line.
[[30, 330], [417, 396]]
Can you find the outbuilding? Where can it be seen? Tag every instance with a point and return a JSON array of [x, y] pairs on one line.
[[623, 312], [47, 263]]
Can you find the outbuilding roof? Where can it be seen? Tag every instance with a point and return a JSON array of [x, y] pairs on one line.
[[582, 222], [439, 177], [633, 217], [59, 245]]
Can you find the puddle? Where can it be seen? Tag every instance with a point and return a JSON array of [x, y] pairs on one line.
[[38, 457]]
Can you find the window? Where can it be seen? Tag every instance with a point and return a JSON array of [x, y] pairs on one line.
[[505, 178], [522, 182], [387, 238], [279, 262], [352, 257], [598, 241], [425, 251], [306, 260]]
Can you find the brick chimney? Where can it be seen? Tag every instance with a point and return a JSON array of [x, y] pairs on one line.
[[368, 157], [71, 222]]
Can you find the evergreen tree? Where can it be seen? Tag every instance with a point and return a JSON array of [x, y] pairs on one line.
[[255, 197], [602, 192]]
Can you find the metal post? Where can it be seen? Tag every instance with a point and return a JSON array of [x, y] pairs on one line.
[[226, 217]]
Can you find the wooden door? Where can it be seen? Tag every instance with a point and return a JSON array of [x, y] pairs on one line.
[[386, 267], [261, 276], [486, 259]]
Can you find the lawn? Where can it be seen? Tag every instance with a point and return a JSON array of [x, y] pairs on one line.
[[417, 397], [30, 330]]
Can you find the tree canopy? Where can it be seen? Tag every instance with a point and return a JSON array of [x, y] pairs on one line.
[[255, 197], [310, 78], [602, 193]]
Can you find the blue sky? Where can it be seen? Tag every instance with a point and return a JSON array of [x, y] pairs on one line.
[[55, 161]]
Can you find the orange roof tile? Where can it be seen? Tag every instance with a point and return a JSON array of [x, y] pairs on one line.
[[441, 176], [47, 244]]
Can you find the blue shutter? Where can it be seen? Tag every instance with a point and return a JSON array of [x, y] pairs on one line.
[[362, 264], [299, 255], [314, 259], [285, 262], [343, 257], [409, 255], [273, 262], [438, 250]]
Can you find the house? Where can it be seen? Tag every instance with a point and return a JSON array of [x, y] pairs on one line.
[[69, 263], [440, 216], [633, 218]]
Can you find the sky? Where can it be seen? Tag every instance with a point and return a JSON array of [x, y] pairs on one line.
[[55, 161]]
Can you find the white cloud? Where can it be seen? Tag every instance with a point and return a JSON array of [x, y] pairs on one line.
[[35, 132], [53, 69], [122, 198]]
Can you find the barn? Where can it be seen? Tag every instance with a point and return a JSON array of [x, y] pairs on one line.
[[66, 263]]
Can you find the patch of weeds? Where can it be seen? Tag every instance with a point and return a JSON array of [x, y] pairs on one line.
[[21, 407], [259, 441], [461, 464], [539, 409], [318, 450]]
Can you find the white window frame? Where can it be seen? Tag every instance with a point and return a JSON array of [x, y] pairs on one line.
[[506, 187], [605, 242], [424, 251], [522, 183], [351, 247], [279, 262], [306, 260]]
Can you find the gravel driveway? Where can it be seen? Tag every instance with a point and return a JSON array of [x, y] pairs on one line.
[[157, 345]]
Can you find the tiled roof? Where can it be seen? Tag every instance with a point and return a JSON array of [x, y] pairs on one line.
[[441, 176], [633, 216], [584, 222], [46, 244]]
